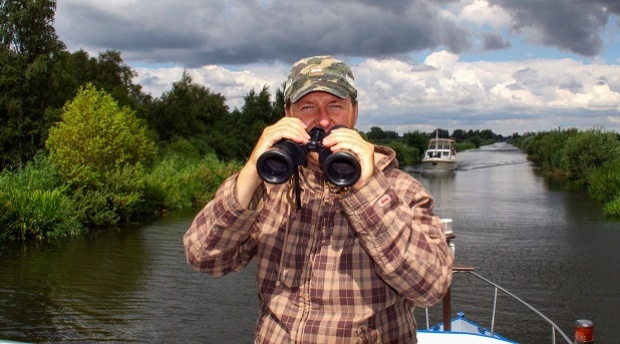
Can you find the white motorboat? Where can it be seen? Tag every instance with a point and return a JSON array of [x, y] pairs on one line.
[[440, 155]]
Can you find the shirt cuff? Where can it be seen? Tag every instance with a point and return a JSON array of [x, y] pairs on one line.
[[373, 194]]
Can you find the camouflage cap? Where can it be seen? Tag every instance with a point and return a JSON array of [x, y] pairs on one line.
[[319, 73]]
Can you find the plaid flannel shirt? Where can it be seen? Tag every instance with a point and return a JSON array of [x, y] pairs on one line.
[[348, 267]]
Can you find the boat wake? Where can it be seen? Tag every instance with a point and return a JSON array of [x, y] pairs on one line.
[[491, 156], [496, 155], [464, 167]]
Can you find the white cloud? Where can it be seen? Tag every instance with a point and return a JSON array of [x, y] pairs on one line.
[[506, 97], [481, 13]]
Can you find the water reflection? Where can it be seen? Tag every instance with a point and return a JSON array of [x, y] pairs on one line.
[[62, 291]]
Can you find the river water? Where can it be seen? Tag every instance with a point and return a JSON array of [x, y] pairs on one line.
[[546, 243]]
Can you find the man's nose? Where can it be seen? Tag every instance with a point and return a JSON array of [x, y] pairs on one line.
[[324, 120]]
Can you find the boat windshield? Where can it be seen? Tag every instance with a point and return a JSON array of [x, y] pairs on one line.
[[440, 144]]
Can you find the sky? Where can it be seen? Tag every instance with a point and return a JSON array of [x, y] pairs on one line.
[[512, 66]]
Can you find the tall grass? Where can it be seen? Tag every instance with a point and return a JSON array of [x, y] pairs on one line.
[[34, 205], [38, 214]]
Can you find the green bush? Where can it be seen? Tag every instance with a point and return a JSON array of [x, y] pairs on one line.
[[120, 199], [181, 147], [93, 208], [546, 149], [406, 155], [604, 183], [590, 158], [463, 146], [612, 209], [181, 183], [589, 150]]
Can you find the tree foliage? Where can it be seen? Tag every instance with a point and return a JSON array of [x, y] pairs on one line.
[[589, 158], [101, 150], [604, 186], [547, 149], [416, 139], [589, 150], [29, 54], [95, 137], [38, 76], [26, 27], [188, 110], [378, 134]]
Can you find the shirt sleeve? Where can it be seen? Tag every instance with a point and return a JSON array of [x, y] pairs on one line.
[[393, 217], [222, 237]]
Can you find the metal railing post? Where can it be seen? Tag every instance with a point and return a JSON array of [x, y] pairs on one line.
[[493, 314]]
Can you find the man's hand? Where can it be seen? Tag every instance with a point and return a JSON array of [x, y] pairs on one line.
[[286, 128], [344, 139]]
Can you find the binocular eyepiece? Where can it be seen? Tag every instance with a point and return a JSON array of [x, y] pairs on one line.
[[277, 165]]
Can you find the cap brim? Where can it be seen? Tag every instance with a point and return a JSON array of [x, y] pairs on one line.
[[320, 85]]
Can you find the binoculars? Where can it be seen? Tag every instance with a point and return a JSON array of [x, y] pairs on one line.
[[277, 165]]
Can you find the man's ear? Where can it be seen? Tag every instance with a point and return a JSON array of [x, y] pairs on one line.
[[354, 115], [287, 110]]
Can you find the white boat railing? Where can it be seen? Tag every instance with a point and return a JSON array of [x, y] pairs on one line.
[[554, 328]]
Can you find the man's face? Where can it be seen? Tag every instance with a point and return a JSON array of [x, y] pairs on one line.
[[324, 110]]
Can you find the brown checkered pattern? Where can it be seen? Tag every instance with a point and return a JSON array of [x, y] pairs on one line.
[[346, 268]]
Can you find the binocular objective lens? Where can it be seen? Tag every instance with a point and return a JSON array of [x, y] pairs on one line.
[[341, 169], [275, 167]]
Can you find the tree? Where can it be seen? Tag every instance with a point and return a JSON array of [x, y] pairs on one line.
[[376, 134], [417, 139], [101, 149], [443, 133], [95, 136], [188, 110], [459, 134], [257, 113], [38, 76], [29, 78], [278, 105], [258, 107], [26, 27]]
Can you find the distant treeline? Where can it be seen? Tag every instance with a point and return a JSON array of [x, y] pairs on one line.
[[590, 159]]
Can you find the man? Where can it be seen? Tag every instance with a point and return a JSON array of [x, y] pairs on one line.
[[350, 264]]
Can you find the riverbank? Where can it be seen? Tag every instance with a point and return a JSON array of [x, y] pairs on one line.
[[36, 204], [590, 159]]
